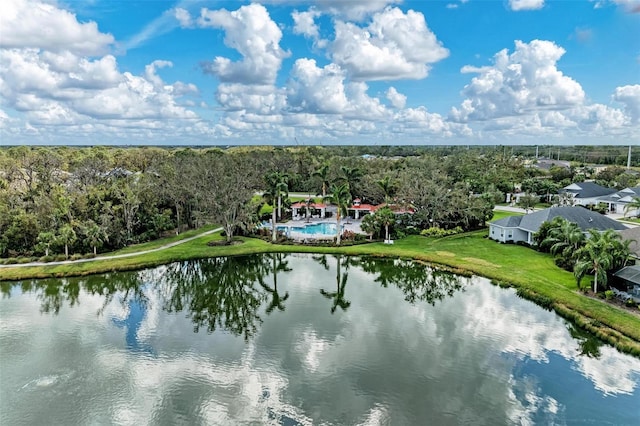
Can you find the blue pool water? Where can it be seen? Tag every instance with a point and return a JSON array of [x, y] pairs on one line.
[[328, 229]]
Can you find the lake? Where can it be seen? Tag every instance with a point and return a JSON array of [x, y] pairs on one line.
[[300, 340]]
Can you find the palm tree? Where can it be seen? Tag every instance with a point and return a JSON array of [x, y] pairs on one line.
[[46, 239], [277, 185], [95, 235], [633, 205], [351, 176], [386, 218], [388, 188], [340, 196], [66, 236], [323, 174], [597, 256], [564, 238]]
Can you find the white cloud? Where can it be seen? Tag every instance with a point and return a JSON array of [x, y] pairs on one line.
[[304, 23], [630, 97], [183, 16], [395, 45], [324, 91], [631, 6], [397, 99], [354, 9], [317, 90], [37, 24], [265, 99], [251, 31], [526, 4], [522, 82]]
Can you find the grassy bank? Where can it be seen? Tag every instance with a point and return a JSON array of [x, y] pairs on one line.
[[534, 274]]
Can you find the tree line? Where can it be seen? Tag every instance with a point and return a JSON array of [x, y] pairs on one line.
[[63, 200]]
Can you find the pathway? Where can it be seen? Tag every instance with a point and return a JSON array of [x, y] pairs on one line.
[[116, 256]]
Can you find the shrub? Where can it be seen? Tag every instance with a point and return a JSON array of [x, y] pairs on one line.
[[75, 256], [348, 235], [608, 294], [24, 259], [630, 302], [434, 231], [46, 259], [59, 257]]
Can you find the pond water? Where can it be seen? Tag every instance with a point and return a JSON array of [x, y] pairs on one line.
[[299, 340]]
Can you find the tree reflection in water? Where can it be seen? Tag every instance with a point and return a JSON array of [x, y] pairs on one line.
[[419, 282], [219, 292], [228, 293], [341, 280], [278, 264]]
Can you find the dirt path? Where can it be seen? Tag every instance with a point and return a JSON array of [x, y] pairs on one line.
[[117, 256]]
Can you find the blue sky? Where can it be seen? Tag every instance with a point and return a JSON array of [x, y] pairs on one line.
[[320, 72]]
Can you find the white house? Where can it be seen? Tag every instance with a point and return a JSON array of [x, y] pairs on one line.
[[585, 193], [522, 228], [617, 202]]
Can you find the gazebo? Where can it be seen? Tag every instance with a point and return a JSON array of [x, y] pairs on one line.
[[296, 207]]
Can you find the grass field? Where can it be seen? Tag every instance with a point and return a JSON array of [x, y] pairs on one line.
[[534, 274]]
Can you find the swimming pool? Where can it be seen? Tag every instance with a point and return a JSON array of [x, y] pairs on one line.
[[328, 229]]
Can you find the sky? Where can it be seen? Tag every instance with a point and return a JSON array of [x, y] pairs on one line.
[[319, 72]]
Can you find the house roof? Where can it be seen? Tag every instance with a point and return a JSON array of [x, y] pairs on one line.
[[508, 222], [623, 196], [629, 273], [584, 218], [587, 190], [632, 234]]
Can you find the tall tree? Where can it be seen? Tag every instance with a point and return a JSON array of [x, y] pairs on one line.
[[351, 176], [276, 186], [339, 195], [388, 188], [96, 236], [323, 174], [387, 218], [67, 236]]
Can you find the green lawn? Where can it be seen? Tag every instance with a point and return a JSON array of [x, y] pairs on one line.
[[533, 273], [499, 214], [161, 242]]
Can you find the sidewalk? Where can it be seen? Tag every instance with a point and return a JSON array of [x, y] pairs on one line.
[[117, 256]]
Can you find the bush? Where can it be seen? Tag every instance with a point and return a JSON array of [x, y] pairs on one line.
[[59, 257], [434, 231], [75, 256], [630, 303], [608, 294], [24, 260], [348, 235], [46, 259]]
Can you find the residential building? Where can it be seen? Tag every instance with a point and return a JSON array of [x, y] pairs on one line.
[[617, 202], [522, 228], [584, 193]]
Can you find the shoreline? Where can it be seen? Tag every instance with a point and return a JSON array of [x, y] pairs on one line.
[[539, 280]]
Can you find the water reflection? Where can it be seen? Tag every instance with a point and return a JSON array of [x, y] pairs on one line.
[[229, 293], [224, 293], [337, 297], [457, 353]]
